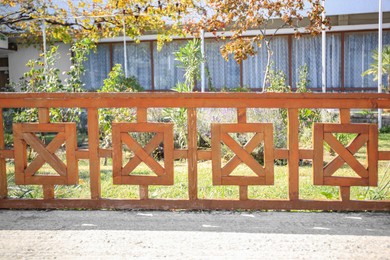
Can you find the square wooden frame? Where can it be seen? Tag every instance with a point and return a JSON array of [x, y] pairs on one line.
[[166, 129], [319, 178], [266, 130], [66, 134]]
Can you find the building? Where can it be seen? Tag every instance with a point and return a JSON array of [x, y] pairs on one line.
[[349, 46]]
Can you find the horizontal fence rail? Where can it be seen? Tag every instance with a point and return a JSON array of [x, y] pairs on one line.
[[67, 170]]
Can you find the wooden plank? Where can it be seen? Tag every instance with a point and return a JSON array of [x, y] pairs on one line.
[[216, 153], [241, 115], [20, 154], [249, 147], [346, 155], [269, 154], [94, 159], [204, 155], [3, 167], [44, 115], [105, 153], [337, 162], [142, 115], [47, 181], [345, 193], [82, 154], [39, 161], [345, 181], [187, 100], [44, 125], [384, 155], [345, 116], [168, 153], [71, 147], [280, 153], [372, 155], [293, 156], [7, 154], [243, 155], [149, 148], [141, 154], [346, 128], [243, 192], [180, 154], [141, 127], [192, 154], [117, 155], [306, 154], [48, 157], [144, 180], [241, 181], [143, 192], [156, 204], [242, 128]]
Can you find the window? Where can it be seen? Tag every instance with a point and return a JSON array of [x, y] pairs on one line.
[[97, 67], [254, 67], [166, 71], [138, 61], [358, 49], [223, 73]]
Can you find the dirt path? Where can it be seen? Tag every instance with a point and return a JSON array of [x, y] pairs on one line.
[[193, 235]]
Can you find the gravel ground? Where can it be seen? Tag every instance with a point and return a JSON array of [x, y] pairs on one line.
[[193, 235]]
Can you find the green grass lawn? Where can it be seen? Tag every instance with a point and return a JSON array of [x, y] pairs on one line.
[[205, 188]]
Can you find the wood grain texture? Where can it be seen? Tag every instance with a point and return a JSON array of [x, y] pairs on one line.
[[44, 121], [293, 156], [93, 146], [3, 168], [192, 154]]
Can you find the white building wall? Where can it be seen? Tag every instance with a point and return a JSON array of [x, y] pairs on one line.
[[17, 60]]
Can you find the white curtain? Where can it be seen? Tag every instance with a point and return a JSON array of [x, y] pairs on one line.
[[97, 67], [166, 71], [333, 61], [358, 57], [138, 61], [254, 67], [307, 50], [224, 74]]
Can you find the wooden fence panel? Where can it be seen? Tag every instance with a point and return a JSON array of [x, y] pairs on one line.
[[367, 134]]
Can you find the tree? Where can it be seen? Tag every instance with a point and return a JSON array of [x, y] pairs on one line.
[[95, 18], [373, 70], [241, 16]]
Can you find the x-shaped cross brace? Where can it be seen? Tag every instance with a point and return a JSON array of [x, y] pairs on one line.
[[142, 154], [45, 154], [345, 155], [242, 154]]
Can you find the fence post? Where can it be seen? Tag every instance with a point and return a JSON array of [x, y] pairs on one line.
[[345, 118], [93, 146], [44, 118], [293, 154], [192, 154], [3, 168]]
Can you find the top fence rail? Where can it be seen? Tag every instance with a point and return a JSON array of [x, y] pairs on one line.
[[194, 100]]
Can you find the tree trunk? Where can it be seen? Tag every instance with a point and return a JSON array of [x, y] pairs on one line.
[[269, 54]]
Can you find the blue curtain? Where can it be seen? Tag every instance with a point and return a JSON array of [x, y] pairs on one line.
[[138, 61]]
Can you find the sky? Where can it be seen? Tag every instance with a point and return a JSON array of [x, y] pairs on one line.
[[336, 7]]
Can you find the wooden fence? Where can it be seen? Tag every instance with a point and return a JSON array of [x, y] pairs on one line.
[[24, 135]]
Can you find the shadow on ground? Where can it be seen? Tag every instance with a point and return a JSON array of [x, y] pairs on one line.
[[371, 224]]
